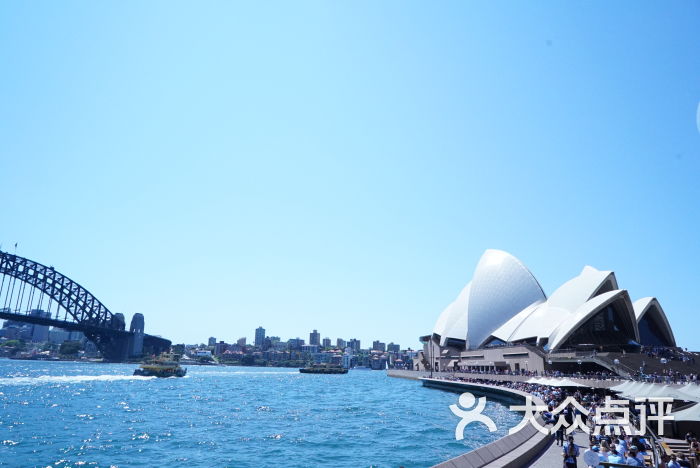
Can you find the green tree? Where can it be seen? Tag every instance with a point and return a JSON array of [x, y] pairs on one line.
[[70, 348], [19, 344]]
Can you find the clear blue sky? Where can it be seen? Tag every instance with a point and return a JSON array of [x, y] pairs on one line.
[[342, 165]]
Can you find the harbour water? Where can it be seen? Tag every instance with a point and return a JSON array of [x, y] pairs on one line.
[[65, 414]]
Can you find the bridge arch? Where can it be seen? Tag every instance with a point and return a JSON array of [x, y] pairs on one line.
[[74, 299], [81, 310]]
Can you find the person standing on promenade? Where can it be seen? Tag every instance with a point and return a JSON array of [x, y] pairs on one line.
[[632, 459], [615, 457], [590, 456], [570, 453], [604, 449], [622, 445], [560, 435]]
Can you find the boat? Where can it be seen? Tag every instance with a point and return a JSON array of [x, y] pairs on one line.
[[323, 369], [165, 365]]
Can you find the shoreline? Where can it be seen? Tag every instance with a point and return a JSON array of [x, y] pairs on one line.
[[186, 363]]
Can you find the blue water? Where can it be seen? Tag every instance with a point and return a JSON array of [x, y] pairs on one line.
[[63, 414]]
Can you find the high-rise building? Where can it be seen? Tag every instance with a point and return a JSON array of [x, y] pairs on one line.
[[379, 346], [212, 341], [340, 343], [393, 348], [326, 343], [40, 333], [259, 337], [315, 338], [241, 341], [354, 345]]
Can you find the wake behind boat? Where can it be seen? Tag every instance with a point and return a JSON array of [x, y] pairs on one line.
[[165, 365]]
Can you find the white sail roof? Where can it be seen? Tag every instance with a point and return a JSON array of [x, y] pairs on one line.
[[505, 302], [502, 286], [452, 323], [590, 282], [566, 309], [587, 310], [649, 307]]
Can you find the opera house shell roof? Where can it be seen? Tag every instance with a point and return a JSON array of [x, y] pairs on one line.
[[504, 303]]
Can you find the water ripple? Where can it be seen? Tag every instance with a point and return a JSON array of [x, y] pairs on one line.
[[71, 414]]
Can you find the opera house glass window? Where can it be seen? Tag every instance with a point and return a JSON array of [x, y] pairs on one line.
[[606, 327]]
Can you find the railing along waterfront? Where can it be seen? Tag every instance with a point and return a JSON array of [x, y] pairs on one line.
[[447, 377]]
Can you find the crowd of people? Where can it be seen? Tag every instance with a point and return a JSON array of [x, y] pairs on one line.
[[666, 376], [597, 375], [613, 445], [672, 354]]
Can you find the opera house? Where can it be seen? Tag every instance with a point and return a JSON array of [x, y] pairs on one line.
[[503, 320]]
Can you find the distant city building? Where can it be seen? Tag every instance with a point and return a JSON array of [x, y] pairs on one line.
[[379, 346], [220, 348], [309, 348], [354, 345], [315, 338], [378, 363], [393, 348], [59, 335], [212, 341], [15, 330], [241, 341], [295, 344], [348, 358], [326, 343], [259, 337], [340, 343], [280, 346], [40, 333], [321, 358]]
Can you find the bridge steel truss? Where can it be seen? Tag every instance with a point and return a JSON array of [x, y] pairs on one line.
[[86, 312], [77, 301]]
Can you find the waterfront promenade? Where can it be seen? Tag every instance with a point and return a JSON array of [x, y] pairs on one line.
[[510, 451], [531, 448], [551, 456]]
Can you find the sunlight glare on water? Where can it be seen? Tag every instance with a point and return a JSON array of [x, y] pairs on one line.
[[66, 414]]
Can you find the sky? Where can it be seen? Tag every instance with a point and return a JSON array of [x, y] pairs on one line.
[[341, 166]]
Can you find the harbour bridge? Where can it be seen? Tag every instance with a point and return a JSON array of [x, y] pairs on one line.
[[37, 294]]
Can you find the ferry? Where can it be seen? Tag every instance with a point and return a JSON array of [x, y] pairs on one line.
[[165, 365], [323, 369]]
